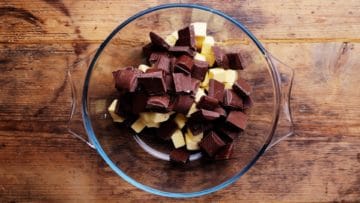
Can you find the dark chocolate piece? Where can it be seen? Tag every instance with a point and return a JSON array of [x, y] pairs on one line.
[[225, 152], [182, 83], [147, 50], [180, 155], [248, 102], [199, 69], [151, 70], [186, 37], [126, 79], [227, 131], [203, 115], [139, 101], [159, 103], [184, 64], [235, 61], [232, 100], [211, 143], [158, 42], [221, 111], [237, 119], [221, 60], [183, 104], [181, 50], [163, 63], [124, 105], [169, 83], [155, 56], [166, 129], [208, 103], [242, 87], [216, 89], [153, 83]]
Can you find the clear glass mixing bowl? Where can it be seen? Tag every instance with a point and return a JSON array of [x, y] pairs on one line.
[[145, 163]]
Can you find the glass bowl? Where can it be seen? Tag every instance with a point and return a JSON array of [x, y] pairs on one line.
[[139, 159]]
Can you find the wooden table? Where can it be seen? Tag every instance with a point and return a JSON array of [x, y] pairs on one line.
[[40, 161]]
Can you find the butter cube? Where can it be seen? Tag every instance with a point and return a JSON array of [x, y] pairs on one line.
[[152, 125], [172, 38], [199, 57], [177, 139], [228, 85], [138, 125], [218, 74], [114, 116], [207, 51], [231, 76], [192, 110], [200, 33], [192, 142], [143, 67], [199, 94], [154, 117], [180, 120], [205, 82]]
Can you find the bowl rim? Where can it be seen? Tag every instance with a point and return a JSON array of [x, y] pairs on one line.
[[93, 139]]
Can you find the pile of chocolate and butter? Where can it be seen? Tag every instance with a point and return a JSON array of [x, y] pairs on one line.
[[189, 90]]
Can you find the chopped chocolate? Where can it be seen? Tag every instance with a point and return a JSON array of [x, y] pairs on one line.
[[181, 50], [203, 114], [183, 104], [216, 89], [194, 86], [232, 100], [221, 111], [180, 155], [124, 105], [182, 83], [155, 56], [199, 69], [208, 103], [139, 101], [160, 103], [166, 129], [186, 37], [147, 49], [221, 60], [248, 102], [151, 70], [227, 132], [195, 126], [158, 42], [169, 83], [237, 119], [225, 152], [211, 143], [235, 61], [126, 79], [184, 64], [163, 63], [153, 83], [242, 87]]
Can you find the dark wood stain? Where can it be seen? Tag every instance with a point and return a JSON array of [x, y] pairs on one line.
[[58, 4], [21, 14]]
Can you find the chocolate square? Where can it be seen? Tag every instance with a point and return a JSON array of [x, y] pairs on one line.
[[235, 61], [211, 143], [166, 129], [248, 102], [181, 50], [158, 103], [208, 103], [180, 155], [158, 42], [225, 152], [183, 104], [155, 56], [139, 101], [184, 64], [163, 63], [126, 79], [186, 37], [232, 100], [237, 119], [205, 115], [199, 69], [182, 83], [216, 89], [153, 83], [242, 87], [221, 60]]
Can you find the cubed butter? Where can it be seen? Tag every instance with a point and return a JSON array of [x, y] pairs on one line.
[[177, 139], [152, 125], [172, 38], [192, 110], [228, 85], [138, 125], [200, 33], [180, 120], [192, 142], [199, 94], [154, 117], [143, 67], [205, 82], [207, 50], [199, 57], [114, 116], [231, 76], [218, 74]]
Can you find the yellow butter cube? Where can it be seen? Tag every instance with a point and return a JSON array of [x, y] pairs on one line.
[[192, 141], [199, 94], [114, 116], [200, 33], [138, 125], [207, 50], [177, 139], [152, 125], [154, 117], [199, 57], [143, 67], [228, 85], [172, 38], [231, 76], [180, 120], [217, 74]]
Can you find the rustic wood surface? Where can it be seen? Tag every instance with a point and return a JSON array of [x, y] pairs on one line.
[[41, 162]]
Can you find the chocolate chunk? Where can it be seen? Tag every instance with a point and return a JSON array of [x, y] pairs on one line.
[[184, 64], [237, 119], [221, 111], [232, 100], [126, 79], [180, 155], [227, 131], [186, 37], [155, 56], [199, 69], [216, 89], [208, 103], [242, 87], [181, 50], [166, 129], [182, 83], [153, 83], [203, 115], [139, 101], [169, 83], [235, 60], [221, 60], [158, 42], [151, 70], [183, 104], [172, 64], [158, 103], [225, 152], [248, 102], [124, 105], [163, 63], [194, 86], [147, 50], [211, 143]]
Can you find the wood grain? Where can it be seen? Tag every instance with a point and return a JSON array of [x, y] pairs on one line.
[[41, 162]]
